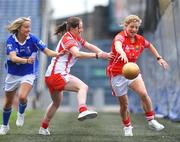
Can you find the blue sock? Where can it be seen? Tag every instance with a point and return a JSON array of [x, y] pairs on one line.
[[6, 115], [22, 107]]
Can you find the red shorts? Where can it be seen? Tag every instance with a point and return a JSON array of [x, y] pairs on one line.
[[55, 82]]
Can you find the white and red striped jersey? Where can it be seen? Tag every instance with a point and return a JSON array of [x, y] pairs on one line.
[[64, 63]]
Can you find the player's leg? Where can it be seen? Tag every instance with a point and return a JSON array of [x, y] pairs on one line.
[[120, 89], [139, 87], [11, 85], [15, 102], [23, 92], [125, 116], [76, 85], [52, 108], [55, 84], [26, 84], [9, 96]]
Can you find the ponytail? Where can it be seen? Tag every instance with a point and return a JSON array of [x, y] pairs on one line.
[[71, 22], [61, 28]]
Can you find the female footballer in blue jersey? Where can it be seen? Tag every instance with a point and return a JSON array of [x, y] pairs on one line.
[[21, 49]]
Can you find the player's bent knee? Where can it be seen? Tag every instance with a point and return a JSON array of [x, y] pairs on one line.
[[84, 87], [23, 99]]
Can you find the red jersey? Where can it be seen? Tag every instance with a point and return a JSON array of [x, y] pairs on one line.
[[132, 50]]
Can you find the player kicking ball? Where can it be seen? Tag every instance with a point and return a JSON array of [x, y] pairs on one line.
[[127, 46]]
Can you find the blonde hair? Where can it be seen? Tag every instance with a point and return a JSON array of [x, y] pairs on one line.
[[16, 24], [131, 18]]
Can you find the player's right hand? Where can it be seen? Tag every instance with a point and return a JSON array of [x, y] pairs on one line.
[[62, 52], [31, 60], [123, 57]]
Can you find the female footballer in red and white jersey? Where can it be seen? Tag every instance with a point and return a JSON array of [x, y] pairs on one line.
[[58, 77], [126, 47]]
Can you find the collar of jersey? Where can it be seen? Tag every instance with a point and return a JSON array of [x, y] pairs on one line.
[[77, 38], [15, 38], [127, 35]]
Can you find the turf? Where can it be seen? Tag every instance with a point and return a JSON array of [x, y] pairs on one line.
[[105, 128]]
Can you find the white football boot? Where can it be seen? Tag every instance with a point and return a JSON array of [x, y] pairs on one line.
[[4, 129], [87, 114], [128, 131], [43, 131], [153, 124], [20, 119]]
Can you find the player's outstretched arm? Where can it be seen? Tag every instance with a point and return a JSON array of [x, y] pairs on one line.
[[122, 54], [100, 54], [92, 47], [160, 60], [52, 53]]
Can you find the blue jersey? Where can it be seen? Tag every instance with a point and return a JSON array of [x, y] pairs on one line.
[[24, 50]]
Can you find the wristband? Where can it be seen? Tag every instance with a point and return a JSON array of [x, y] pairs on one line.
[[158, 58], [97, 56]]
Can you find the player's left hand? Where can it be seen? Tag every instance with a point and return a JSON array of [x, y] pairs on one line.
[[105, 55], [31, 60], [163, 63]]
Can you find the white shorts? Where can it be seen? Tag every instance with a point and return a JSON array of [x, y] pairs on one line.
[[120, 84], [12, 82]]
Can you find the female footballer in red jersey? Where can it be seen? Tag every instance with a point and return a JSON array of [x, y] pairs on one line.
[[126, 47], [58, 77]]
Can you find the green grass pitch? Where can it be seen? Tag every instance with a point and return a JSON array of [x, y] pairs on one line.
[[105, 128]]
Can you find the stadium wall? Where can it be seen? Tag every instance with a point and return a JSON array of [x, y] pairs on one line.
[[163, 86]]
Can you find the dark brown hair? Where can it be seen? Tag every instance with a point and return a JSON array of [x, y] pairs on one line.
[[71, 22]]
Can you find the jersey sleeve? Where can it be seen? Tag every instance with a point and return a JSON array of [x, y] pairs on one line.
[[39, 43], [10, 46], [69, 42], [146, 43], [82, 41], [119, 37]]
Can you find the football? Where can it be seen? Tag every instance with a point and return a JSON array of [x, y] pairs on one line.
[[130, 70]]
